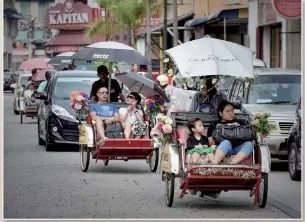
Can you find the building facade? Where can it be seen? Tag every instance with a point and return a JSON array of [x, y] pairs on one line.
[[10, 22], [275, 32], [32, 31]]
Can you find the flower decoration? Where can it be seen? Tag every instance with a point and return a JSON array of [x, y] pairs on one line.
[[163, 129], [261, 124], [79, 102], [154, 106]]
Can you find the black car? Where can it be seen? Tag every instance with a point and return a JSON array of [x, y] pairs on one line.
[[294, 149], [8, 79], [56, 122]]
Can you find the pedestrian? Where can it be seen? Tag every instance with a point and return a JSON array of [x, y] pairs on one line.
[[34, 71]]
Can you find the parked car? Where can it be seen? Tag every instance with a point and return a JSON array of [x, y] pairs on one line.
[[8, 79], [18, 89], [294, 148], [276, 91], [56, 123]]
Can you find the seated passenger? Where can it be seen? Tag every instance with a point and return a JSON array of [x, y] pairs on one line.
[[29, 99], [242, 149], [103, 112], [196, 142], [132, 118]]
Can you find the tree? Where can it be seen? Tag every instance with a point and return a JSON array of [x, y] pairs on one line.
[[126, 15]]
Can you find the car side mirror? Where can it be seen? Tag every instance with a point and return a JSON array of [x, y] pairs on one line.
[[41, 96], [299, 113], [23, 86]]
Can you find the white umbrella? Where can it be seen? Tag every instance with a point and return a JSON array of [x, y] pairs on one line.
[[209, 56]]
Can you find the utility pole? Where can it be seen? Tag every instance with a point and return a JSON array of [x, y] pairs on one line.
[[148, 36], [164, 34], [175, 22]]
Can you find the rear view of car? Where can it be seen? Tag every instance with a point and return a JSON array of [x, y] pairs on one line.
[[8, 79]]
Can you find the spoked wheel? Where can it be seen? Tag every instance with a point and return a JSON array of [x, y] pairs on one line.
[[154, 160], [263, 191], [169, 189], [84, 157], [21, 117], [294, 173], [106, 162]]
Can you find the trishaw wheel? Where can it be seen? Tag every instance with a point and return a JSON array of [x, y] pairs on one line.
[[154, 160], [106, 162], [169, 189], [84, 157], [263, 191], [294, 173], [21, 117]]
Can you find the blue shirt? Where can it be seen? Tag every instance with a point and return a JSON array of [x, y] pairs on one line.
[[106, 110]]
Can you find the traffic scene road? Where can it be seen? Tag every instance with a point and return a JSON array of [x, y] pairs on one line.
[[40, 184]]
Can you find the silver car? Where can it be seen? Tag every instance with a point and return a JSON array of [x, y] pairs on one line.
[[18, 88], [276, 91]]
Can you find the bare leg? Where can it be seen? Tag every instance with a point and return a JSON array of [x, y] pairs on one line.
[[243, 151], [219, 155], [222, 150], [239, 158], [127, 130], [28, 102], [100, 128], [211, 157], [195, 157]]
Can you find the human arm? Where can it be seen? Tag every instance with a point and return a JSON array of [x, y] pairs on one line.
[[93, 92], [189, 144], [194, 104], [115, 85], [138, 113], [209, 134]]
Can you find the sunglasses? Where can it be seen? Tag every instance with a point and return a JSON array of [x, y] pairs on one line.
[[103, 92], [130, 97]]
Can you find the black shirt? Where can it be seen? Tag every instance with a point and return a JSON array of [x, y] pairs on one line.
[[191, 142], [214, 124], [114, 87]]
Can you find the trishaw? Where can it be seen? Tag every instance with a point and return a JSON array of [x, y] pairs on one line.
[[205, 57], [211, 179], [27, 111], [115, 148]]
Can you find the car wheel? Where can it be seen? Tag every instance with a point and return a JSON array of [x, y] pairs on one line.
[[49, 146], [41, 142], [294, 173]]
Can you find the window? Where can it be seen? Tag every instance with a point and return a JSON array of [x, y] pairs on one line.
[[42, 7], [25, 9], [275, 45]]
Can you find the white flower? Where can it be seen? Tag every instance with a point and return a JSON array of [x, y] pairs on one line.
[[169, 121], [159, 116], [164, 118]]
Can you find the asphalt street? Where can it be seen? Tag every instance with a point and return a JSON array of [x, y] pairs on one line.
[[40, 184]]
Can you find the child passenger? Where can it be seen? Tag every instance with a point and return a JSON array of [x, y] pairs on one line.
[[197, 143]]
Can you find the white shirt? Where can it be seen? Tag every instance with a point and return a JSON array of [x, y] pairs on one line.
[[28, 93], [132, 118]]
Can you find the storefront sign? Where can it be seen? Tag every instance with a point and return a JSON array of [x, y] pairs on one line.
[[69, 16], [289, 9]]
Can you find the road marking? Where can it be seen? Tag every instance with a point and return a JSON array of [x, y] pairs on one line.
[[284, 208]]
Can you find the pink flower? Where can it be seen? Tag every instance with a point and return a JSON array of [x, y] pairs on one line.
[[160, 125], [155, 132], [77, 106], [167, 128], [80, 98]]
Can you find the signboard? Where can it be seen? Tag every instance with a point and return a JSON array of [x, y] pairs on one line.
[[154, 20], [69, 16], [288, 9]]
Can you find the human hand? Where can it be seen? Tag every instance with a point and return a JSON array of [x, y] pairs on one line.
[[236, 124], [129, 108]]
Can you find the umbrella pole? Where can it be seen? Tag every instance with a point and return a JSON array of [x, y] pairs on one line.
[[109, 83], [224, 29]]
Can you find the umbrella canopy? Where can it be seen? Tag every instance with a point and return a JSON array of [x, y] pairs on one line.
[[209, 56], [140, 84], [62, 58], [41, 75], [36, 63], [111, 52]]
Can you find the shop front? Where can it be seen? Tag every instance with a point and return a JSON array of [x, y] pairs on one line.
[[278, 34], [71, 19]]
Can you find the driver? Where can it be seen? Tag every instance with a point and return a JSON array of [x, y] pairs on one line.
[[116, 91], [42, 85], [208, 96]]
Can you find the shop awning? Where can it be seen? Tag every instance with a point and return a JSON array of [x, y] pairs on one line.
[[241, 13], [73, 38], [161, 25], [13, 14]]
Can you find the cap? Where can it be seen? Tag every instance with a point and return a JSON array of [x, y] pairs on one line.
[[163, 80]]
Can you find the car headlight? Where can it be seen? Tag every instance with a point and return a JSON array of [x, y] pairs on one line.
[[60, 111]]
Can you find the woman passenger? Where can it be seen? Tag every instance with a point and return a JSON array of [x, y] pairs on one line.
[[242, 149], [132, 118]]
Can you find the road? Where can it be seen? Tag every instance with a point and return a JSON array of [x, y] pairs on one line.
[[40, 184]]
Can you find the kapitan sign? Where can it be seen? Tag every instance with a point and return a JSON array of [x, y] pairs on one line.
[[288, 9], [69, 16]]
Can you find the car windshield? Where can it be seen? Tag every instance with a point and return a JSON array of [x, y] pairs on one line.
[[7, 75], [24, 80], [65, 85], [275, 89]]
